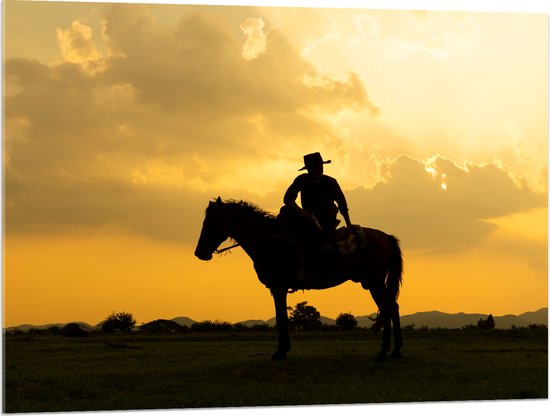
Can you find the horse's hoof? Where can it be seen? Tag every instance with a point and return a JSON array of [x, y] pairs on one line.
[[279, 356]]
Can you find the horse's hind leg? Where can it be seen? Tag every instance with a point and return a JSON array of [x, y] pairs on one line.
[[386, 338], [384, 319], [396, 320]]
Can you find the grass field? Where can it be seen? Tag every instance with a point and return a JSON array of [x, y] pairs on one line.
[[53, 373]]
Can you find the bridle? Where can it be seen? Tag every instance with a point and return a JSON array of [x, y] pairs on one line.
[[226, 249]]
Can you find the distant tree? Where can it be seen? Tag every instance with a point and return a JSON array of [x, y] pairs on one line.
[[74, 330], [537, 326], [118, 322], [239, 326], [304, 316], [488, 323], [260, 327], [211, 326], [346, 321], [54, 329], [162, 326]]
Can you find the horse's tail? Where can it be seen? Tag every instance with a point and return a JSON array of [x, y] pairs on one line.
[[394, 279]]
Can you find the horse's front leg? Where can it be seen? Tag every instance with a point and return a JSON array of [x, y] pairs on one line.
[[281, 315]]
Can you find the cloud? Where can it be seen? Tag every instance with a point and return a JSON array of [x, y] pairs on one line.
[[413, 204], [400, 49], [255, 43], [366, 26], [76, 46], [434, 34], [329, 35], [198, 67], [175, 117], [57, 205], [411, 33]]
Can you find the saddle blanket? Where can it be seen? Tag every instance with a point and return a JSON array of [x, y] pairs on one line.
[[346, 240]]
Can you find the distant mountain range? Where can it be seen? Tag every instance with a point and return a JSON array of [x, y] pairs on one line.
[[437, 319], [26, 327], [434, 319]]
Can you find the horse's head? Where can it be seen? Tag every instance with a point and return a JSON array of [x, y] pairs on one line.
[[214, 231]]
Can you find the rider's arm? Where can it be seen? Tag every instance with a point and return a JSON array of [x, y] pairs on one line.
[[345, 214], [292, 193], [342, 203]]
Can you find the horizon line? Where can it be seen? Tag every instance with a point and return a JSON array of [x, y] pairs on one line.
[[265, 320]]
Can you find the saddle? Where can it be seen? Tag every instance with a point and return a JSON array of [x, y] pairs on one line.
[[309, 235], [345, 241], [328, 256], [311, 249]]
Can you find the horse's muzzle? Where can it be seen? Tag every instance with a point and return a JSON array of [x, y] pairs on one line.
[[203, 256]]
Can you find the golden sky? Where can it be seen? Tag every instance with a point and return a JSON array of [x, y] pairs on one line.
[[123, 120]]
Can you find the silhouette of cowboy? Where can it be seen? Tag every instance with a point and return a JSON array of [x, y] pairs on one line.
[[321, 195], [321, 199]]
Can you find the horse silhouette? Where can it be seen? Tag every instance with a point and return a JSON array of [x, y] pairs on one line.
[[377, 265]]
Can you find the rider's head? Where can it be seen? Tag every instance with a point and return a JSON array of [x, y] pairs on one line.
[[314, 163], [315, 170]]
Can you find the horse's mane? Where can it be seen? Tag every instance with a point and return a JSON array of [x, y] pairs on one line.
[[250, 208]]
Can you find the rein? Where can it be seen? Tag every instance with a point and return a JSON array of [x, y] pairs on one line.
[[220, 251]]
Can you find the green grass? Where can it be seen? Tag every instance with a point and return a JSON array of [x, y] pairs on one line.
[[52, 373]]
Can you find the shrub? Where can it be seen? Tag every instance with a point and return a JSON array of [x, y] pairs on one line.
[[211, 326], [304, 316], [118, 322], [488, 323], [74, 330], [162, 326], [346, 321]]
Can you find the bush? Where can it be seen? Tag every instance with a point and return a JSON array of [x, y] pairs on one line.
[[14, 331], [260, 327], [211, 326], [304, 316], [118, 322], [346, 321], [74, 330], [488, 323], [162, 326]]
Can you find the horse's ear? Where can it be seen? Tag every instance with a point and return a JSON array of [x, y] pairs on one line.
[[219, 200]]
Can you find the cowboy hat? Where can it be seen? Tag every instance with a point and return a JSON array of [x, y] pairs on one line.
[[312, 160]]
